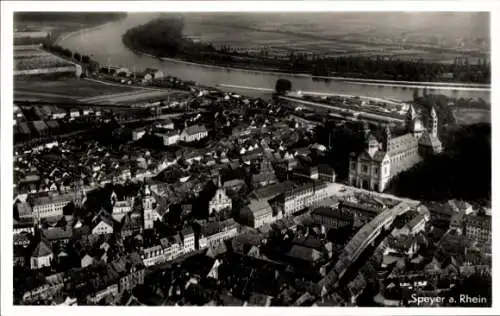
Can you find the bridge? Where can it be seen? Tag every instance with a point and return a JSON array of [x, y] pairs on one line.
[[357, 245], [346, 113]]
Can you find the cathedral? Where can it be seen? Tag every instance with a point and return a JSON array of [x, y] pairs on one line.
[[383, 159]]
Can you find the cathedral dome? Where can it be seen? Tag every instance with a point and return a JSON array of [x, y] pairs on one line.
[[417, 125]]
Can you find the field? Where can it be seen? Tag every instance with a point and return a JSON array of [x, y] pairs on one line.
[[471, 116], [433, 36], [70, 88], [39, 62], [84, 91]]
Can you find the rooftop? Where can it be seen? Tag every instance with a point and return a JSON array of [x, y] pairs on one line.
[[48, 198], [195, 129], [334, 213], [258, 207], [41, 250]]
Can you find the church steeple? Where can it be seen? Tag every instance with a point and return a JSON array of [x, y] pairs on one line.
[[411, 115], [372, 145], [434, 122], [387, 138]]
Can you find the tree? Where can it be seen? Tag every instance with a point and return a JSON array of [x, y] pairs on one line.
[[66, 52], [283, 86]]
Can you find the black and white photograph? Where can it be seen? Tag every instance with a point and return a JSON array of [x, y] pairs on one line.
[[243, 158]]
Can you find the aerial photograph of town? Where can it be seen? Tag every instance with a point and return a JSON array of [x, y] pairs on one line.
[[338, 159]]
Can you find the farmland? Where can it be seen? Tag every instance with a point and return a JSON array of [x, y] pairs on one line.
[[37, 59], [72, 87], [338, 34], [347, 51], [85, 91]]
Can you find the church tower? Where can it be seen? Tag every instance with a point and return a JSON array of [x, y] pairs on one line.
[[433, 122], [411, 115], [372, 145], [387, 139], [147, 205]]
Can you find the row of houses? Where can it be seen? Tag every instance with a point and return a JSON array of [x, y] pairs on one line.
[[171, 137], [211, 235], [94, 282]]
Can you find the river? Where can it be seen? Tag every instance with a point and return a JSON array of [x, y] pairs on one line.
[[105, 44]]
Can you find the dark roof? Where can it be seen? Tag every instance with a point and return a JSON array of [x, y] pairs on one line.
[[216, 250], [40, 126], [41, 250], [363, 207], [269, 191], [212, 228], [308, 242], [302, 253], [198, 265], [333, 213], [440, 209], [24, 128], [58, 233], [53, 124]]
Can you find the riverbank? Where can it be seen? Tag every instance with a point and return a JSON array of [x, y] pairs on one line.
[[106, 44], [64, 36], [359, 81], [163, 39]]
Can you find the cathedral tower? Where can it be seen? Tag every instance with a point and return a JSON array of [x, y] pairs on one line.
[[387, 139], [433, 122], [411, 115]]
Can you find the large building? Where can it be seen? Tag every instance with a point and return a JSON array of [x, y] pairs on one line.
[[265, 176], [51, 204], [373, 168], [478, 229], [220, 201], [332, 217], [193, 133], [299, 197], [257, 213]]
